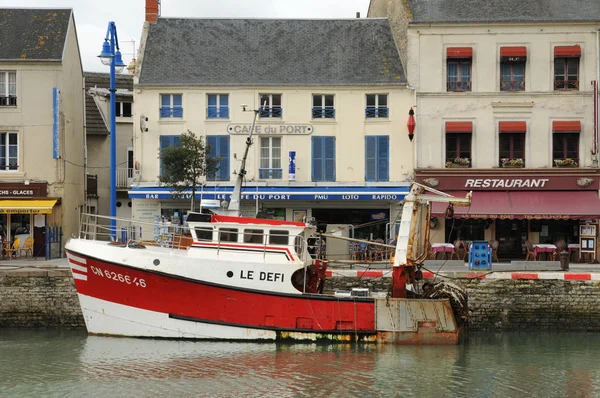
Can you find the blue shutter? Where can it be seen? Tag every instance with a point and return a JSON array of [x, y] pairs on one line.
[[317, 158], [370, 158], [223, 143], [211, 141], [329, 158], [383, 155]]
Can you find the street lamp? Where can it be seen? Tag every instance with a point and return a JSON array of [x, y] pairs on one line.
[[111, 55]]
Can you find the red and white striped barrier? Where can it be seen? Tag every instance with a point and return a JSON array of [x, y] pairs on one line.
[[567, 276]]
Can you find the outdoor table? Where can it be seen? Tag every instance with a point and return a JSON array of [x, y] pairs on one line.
[[442, 248], [543, 248]]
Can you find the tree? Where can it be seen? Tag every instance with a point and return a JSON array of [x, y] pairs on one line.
[[183, 166]]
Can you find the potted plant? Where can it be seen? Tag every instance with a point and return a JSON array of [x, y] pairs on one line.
[[459, 162], [568, 162], [512, 163]]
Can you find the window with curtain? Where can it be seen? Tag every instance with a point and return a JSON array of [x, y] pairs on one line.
[[8, 88], [323, 158], [9, 151], [566, 73], [377, 158], [459, 75], [219, 148], [512, 76], [270, 158]]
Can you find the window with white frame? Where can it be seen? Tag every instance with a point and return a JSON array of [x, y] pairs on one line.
[[9, 151], [323, 107], [270, 158], [377, 106], [171, 106], [8, 88], [218, 106], [123, 109], [270, 105]]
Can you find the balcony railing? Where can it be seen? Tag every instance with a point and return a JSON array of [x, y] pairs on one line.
[[124, 177], [512, 85], [217, 113], [566, 84], [171, 112], [11, 100], [458, 86], [379, 112], [270, 174], [271, 111], [323, 113]]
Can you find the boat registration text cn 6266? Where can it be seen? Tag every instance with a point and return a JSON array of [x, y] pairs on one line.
[[115, 276], [262, 276]]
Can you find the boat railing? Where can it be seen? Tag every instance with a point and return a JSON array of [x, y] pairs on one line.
[[133, 232]]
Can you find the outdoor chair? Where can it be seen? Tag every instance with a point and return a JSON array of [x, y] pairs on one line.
[[14, 249], [530, 253], [28, 248], [459, 245], [560, 246], [377, 252]]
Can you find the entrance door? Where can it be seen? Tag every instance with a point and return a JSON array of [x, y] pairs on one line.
[[511, 235]]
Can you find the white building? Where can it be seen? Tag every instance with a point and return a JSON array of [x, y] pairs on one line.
[[505, 107], [331, 91]]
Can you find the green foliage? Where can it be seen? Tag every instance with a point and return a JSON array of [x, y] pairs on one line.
[[184, 166]]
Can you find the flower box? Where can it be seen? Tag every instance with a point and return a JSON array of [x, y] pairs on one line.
[[516, 163], [458, 162], [565, 163], [512, 166], [458, 166]]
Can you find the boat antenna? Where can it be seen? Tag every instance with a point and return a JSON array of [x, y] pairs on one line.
[[236, 196]]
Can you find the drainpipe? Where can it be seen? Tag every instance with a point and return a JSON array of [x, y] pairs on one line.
[[596, 107], [414, 89]]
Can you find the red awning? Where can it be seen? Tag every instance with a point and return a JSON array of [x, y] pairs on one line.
[[513, 51], [513, 127], [570, 125], [549, 205], [459, 52], [459, 127], [567, 51]]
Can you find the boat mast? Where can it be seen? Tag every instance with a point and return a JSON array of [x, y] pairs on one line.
[[234, 204]]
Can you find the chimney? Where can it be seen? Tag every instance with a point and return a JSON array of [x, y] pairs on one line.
[[152, 10], [358, 15]]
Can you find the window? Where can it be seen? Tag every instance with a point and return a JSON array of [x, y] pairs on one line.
[[228, 235], [512, 76], [459, 75], [204, 233], [123, 109], [323, 158], [253, 236], [565, 149], [270, 105], [566, 73], [323, 107], [219, 148], [165, 142], [278, 237], [9, 151], [170, 106], [270, 158], [377, 106], [377, 158], [8, 88], [512, 147], [218, 106], [458, 149]]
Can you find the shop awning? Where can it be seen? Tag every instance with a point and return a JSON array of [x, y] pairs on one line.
[[38, 206], [553, 205]]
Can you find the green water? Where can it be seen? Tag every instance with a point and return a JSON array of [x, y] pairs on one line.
[[66, 363]]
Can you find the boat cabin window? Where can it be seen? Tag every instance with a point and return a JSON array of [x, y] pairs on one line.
[[228, 235], [253, 236], [204, 233], [279, 237]]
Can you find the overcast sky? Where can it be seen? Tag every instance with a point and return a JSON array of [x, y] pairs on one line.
[[92, 17]]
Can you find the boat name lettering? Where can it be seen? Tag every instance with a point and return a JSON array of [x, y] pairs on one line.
[[263, 276], [506, 182], [118, 277]]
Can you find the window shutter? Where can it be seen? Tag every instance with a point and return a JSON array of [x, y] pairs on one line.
[[211, 141], [370, 158], [317, 158], [383, 155], [329, 157], [223, 142]]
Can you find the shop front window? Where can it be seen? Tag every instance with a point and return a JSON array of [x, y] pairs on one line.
[[20, 225]]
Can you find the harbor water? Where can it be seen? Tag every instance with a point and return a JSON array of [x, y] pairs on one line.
[[67, 363]]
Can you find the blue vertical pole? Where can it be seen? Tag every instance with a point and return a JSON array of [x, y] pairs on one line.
[[113, 137], [47, 243]]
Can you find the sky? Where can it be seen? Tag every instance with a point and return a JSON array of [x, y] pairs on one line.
[[92, 17]]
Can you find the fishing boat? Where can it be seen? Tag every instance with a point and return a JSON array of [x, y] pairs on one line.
[[223, 276]]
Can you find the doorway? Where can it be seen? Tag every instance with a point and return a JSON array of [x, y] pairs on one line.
[[511, 234]]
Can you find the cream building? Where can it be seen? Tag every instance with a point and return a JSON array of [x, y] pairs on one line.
[[332, 93], [505, 107], [42, 139]]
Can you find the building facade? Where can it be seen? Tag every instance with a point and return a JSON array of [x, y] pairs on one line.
[[97, 122], [330, 140], [506, 108], [42, 174]]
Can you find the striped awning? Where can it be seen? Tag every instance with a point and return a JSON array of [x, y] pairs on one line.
[[36, 206]]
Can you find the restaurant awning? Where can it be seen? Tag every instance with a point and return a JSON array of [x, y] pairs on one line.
[[548, 205], [37, 206]]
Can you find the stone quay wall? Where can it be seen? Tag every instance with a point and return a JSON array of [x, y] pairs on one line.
[[39, 298], [47, 298]]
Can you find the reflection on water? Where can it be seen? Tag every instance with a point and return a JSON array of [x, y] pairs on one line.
[[69, 363]]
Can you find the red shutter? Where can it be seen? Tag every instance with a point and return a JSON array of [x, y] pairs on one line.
[[459, 127], [570, 125], [459, 52], [513, 51], [513, 127], [567, 51]]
